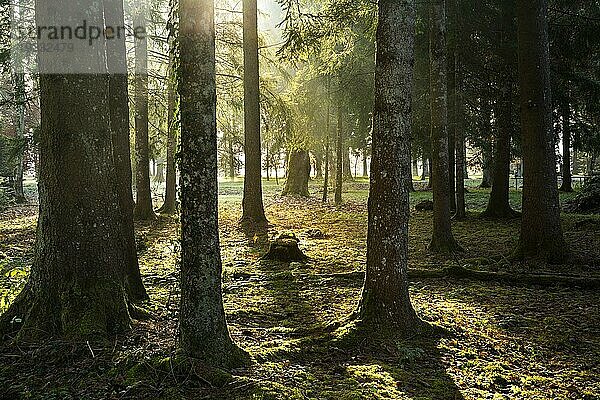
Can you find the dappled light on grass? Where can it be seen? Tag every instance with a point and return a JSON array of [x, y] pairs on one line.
[[503, 341]]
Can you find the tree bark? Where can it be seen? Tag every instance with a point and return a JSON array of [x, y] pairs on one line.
[[385, 306], [327, 144], [498, 205], [298, 174], [76, 289], [541, 232], [339, 157], [567, 184], [442, 240], [253, 213], [20, 103], [365, 163], [487, 149], [347, 167], [203, 332], [119, 125], [170, 204], [143, 205]]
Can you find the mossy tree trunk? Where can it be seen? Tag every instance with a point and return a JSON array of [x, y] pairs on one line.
[[76, 289], [541, 232], [252, 203], [143, 204], [385, 306], [203, 332], [297, 174], [442, 240], [119, 125]]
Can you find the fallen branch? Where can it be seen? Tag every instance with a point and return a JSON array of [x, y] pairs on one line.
[[543, 280]]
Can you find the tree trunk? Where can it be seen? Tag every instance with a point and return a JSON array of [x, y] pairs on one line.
[[252, 204], [347, 168], [385, 306], [318, 165], [451, 44], [487, 149], [409, 175], [567, 184], [76, 289], [415, 166], [170, 204], [458, 183], [298, 171], [232, 169], [498, 205], [327, 144], [442, 240], [425, 173], [143, 204], [541, 232], [365, 164], [339, 157], [119, 125], [203, 332], [20, 103]]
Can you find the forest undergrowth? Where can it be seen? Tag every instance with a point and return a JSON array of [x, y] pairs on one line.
[[499, 341]]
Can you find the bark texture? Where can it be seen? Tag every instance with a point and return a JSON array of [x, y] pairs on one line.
[[442, 240], [385, 306], [203, 331], [119, 126], [541, 232], [143, 204], [252, 203], [170, 204], [76, 289], [298, 174]]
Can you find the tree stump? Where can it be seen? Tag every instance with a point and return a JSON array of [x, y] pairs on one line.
[[285, 249]]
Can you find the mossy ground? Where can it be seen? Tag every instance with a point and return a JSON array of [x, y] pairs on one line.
[[502, 341]]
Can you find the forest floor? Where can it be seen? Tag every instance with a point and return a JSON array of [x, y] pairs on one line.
[[501, 341]]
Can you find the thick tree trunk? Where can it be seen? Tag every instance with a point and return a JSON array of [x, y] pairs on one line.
[[119, 125], [339, 157], [76, 289], [252, 204], [442, 240], [143, 204], [498, 205], [203, 332], [541, 232], [567, 184], [385, 306], [298, 174]]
